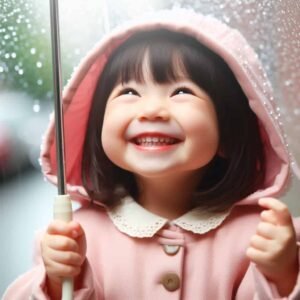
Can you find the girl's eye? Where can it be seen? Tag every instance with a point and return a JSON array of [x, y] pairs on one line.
[[128, 91], [182, 90]]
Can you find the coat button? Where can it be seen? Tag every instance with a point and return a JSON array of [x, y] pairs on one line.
[[171, 282], [171, 249]]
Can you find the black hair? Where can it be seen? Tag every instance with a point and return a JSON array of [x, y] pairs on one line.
[[229, 177]]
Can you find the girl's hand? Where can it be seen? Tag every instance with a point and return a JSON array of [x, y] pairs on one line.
[[63, 249], [273, 248]]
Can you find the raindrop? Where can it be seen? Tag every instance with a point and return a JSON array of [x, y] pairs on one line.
[[39, 82], [7, 55], [36, 106], [1, 69], [21, 72], [288, 82], [226, 19], [32, 51], [13, 55], [39, 64]]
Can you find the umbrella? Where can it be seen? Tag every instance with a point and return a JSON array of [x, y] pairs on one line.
[[62, 205], [271, 27]]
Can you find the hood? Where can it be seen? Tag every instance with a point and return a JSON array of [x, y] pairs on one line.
[[224, 41]]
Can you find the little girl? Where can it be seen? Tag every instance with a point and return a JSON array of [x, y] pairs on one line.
[[171, 134]]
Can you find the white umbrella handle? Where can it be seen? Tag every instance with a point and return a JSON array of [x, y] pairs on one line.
[[62, 210]]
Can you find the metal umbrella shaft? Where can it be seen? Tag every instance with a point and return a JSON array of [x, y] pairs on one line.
[[57, 96], [62, 209]]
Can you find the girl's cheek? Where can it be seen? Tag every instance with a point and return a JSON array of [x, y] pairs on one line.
[[114, 125]]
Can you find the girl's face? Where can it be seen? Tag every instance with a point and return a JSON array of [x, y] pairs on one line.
[[154, 130]]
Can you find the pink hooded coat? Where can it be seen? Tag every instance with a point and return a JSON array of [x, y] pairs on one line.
[[133, 254]]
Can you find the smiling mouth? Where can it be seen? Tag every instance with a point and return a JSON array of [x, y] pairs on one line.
[[154, 141]]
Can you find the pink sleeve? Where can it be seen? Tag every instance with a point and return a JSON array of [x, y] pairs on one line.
[[268, 290], [31, 285]]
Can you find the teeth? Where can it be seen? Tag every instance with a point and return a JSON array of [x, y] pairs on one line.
[[149, 141]]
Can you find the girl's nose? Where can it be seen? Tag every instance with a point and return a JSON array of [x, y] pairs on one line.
[[153, 109]]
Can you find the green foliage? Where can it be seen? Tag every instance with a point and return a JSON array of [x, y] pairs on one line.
[[25, 48]]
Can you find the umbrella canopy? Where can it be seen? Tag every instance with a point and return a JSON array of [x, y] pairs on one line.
[[271, 27]]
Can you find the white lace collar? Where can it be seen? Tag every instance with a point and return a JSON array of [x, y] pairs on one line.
[[131, 218]]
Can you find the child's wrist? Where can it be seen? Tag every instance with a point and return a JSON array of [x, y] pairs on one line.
[[286, 281]]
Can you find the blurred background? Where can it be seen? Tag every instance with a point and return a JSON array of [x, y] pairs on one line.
[[26, 98]]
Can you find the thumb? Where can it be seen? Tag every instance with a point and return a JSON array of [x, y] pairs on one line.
[[71, 229], [75, 229]]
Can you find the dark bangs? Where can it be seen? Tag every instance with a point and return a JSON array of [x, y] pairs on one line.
[[234, 174], [170, 56]]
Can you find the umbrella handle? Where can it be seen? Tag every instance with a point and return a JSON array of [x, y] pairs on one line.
[[62, 210]]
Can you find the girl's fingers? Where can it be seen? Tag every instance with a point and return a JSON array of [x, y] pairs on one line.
[[257, 256], [281, 212], [61, 270], [266, 230], [65, 257], [269, 217], [62, 243], [71, 229], [261, 243]]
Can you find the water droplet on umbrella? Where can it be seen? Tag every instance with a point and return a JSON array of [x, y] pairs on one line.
[[36, 106], [288, 82]]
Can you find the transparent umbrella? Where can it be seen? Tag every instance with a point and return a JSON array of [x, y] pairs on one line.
[[271, 27]]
